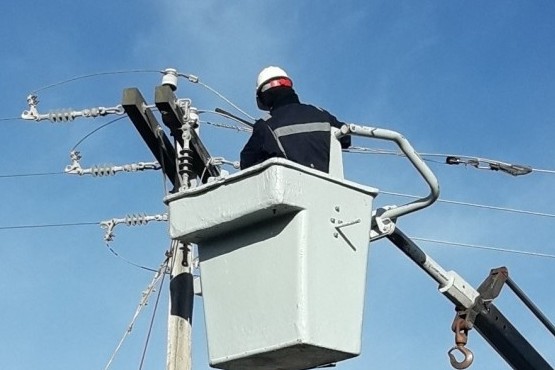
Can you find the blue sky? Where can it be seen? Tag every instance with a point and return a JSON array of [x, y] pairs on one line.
[[454, 77]]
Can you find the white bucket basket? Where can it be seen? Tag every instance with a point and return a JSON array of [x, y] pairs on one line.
[[283, 254]]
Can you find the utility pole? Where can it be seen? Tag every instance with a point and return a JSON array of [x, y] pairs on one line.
[[181, 283], [180, 318], [182, 162]]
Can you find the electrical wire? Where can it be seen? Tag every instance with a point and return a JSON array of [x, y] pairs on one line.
[[479, 159], [471, 160], [536, 254], [71, 225], [459, 203], [128, 261], [483, 247], [149, 333], [10, 119], [223, 125], [476, 205], [96, 130], [195, 79], [363, 150], [81, 77], [246, 126], [38, 226], [160, 273], [544, 171], [353, 149], [31, 174]]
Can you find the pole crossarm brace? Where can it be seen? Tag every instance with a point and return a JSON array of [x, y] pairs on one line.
[[152, 133], [475, 307], [173, 117]]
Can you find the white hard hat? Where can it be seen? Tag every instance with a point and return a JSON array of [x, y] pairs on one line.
[[272, 73]]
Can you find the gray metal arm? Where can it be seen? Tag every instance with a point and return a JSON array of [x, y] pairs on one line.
[[408, 150], [489, 322]]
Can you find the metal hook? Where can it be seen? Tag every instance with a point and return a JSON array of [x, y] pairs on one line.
[[460, 327], [468, 357]]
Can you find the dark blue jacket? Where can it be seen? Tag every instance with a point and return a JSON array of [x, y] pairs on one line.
[[296, 131]]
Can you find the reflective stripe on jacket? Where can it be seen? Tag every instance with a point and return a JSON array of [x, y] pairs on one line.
[[296, 131]]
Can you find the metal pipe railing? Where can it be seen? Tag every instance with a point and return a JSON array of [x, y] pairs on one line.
[[411, 154]]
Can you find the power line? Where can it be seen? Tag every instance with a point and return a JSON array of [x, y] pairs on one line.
[[38, 226], [483, 247], [459, 203], [195, 79], [160, 273], [128, 261], [149, 333], [452, 159], [32, 174], [535, 254], [81, 77], [96, 130], [476, 205]]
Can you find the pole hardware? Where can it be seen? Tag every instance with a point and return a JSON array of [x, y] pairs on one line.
[[105, 170], [175, 112], [151, 132], [129, 220], [66, 115]]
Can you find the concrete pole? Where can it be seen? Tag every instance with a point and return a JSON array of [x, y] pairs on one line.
[[181, 308]]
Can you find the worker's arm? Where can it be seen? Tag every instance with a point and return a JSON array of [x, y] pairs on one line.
[[345, 140], [262, 145]]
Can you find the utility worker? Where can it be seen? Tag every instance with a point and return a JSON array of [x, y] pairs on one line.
[[293, 130]]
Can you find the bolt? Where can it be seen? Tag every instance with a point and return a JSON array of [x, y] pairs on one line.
[[332, 220], [335, 235], [337, 209]]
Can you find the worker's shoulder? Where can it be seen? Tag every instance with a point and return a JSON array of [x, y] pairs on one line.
[[313, 107], [300, 112], [263, 120], [320, 112]]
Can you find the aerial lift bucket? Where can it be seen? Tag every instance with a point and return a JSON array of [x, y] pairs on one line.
[[283, 255]]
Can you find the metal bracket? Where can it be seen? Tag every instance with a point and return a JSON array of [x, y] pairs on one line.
[[381, 226], [174, 113], [466, 316]]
